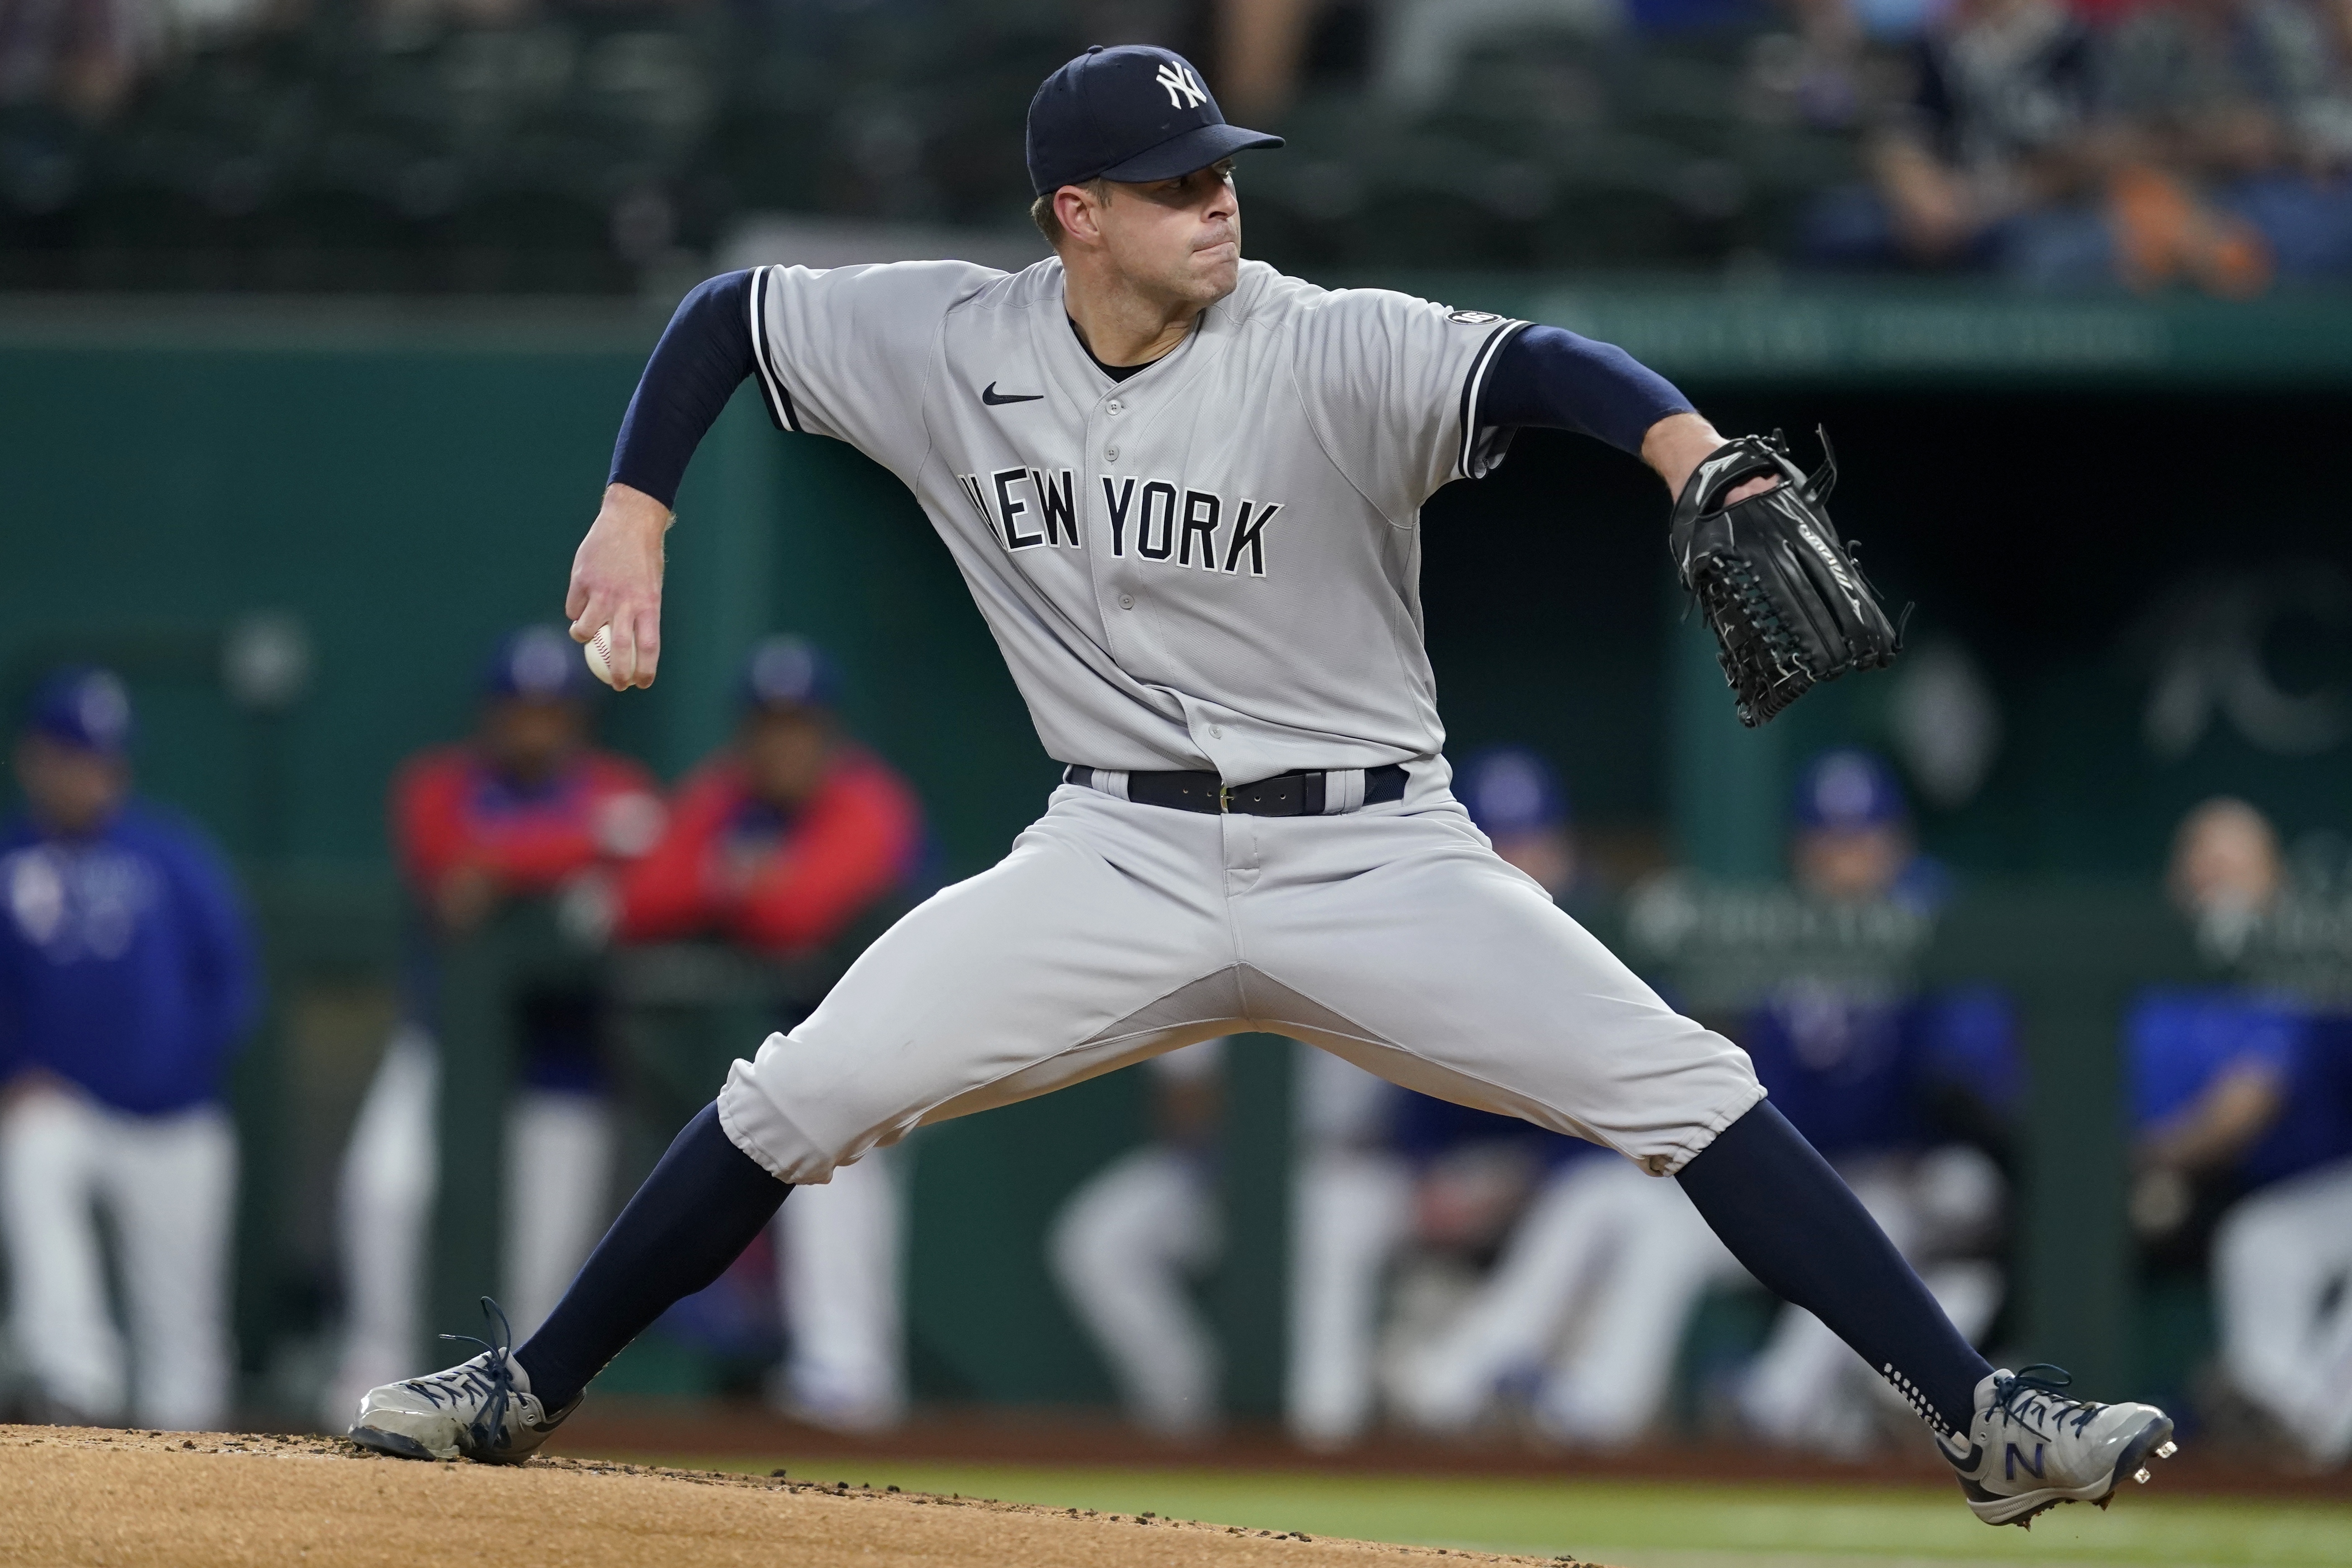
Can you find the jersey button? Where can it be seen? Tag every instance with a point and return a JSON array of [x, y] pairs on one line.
[[1215, 733], [1110, 455], [1115, 406], [1127, 601]]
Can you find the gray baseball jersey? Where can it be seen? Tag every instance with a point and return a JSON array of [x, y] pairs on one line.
[[1210, 564], [1213, 564]]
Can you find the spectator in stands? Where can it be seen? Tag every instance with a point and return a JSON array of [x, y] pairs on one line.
[[81, 56], [527, 810], [781, 845], [1422, 44], [423, 16], [127, 979], [2244, 1102], [2232, 125], [1261, 51], [1990, 163]]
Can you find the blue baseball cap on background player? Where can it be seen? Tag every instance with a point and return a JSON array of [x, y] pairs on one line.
[[1509, 790], [83, 707], [790, 672], [1846, 789], [538, 663], [1131, 113]]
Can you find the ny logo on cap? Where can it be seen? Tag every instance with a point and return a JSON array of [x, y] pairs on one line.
[[1184, 89]]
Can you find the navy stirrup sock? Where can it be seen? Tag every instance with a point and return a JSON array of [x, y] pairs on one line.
[[1788, 1218], [695, 1215]]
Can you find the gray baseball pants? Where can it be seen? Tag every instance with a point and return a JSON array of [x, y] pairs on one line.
[[1392, 936]]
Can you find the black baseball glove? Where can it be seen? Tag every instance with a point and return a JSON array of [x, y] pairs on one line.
[[1787, 602]]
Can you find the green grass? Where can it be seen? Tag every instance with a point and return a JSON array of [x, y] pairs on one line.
[[1651, 1524]]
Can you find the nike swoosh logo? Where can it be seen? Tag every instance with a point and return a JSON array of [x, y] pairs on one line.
[[993, 398]]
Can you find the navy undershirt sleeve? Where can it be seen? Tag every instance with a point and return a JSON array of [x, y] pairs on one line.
[[703, 356], [1551, 379]]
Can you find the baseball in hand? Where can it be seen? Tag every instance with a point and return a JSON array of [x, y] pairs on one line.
[[598, 651]]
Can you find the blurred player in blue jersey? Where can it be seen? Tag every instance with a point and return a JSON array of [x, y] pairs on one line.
[[127, 980], [1907, 1093], [2242, 1103]]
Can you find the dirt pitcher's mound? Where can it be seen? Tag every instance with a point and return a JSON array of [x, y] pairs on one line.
[[79, 1495]]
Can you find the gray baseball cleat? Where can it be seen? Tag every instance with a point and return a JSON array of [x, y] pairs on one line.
[[2029, 1447], [481, 1409]]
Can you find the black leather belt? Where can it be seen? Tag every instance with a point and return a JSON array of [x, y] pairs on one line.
[[1286, 795]]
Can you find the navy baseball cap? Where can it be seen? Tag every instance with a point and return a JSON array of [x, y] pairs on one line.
[[1509, 790], [1131, 113], [541, 663], [1849, 788], [790, 672], [83, 707]]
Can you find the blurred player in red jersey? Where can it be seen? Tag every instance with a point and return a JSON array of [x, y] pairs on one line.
[[526, 809], [784, 839], [781, 844]]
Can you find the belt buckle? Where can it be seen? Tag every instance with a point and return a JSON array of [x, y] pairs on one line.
[[1224, 796]]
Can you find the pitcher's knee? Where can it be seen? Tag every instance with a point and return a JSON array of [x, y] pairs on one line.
[[775, 1140]]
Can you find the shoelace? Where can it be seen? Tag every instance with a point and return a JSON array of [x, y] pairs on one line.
[[2049, 1383], [493, 1383]]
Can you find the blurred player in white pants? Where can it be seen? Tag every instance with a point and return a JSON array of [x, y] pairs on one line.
[[169, 1185], [526, 809], [1589, 1297], [780, 845], [840, 1271], [126, 977], [1128, 1246], [1351, 1209], [1938, 1206], [1357, 1196], [2246, 1095], [560, 1149], [1890, 1084], [2281, 1260], [1596, 1286], [1130, 1243]]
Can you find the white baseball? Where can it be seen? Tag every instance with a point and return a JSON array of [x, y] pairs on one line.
[[598, 651]]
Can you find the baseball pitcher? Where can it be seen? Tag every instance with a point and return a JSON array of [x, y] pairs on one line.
[[1185, 491]]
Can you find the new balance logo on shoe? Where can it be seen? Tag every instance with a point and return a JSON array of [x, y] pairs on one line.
[[2054, 1448]]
